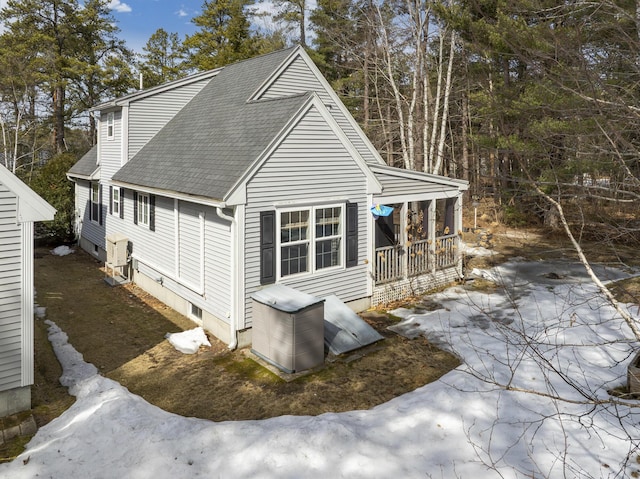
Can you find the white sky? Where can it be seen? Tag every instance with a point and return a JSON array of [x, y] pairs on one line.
[[459, 426]]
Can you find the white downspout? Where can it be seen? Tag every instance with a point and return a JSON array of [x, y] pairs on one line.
[[234, 274]]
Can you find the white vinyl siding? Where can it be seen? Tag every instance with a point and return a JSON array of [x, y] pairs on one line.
[[156, 248], [158, 254], [310, 167], [110, 150], [191, 245], [298, 78], [89, 230], [148, 115], [10, 292], [218, 263]]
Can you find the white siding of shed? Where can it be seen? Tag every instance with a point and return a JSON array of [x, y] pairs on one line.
[[298, 78], [310, 166], [10, 292], [148, 115]]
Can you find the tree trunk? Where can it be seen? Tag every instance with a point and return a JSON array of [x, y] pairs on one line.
[[445, 113], [464, 136], [58, 119]]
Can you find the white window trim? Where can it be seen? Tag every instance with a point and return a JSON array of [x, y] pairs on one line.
[[111, 126], [312, 240], [143, 219], [115, 211]]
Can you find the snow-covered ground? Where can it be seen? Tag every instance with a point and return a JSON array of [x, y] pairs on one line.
[[524, 404]]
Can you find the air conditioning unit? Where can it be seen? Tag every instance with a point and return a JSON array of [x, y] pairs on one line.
[[117, 245], [117, 259]]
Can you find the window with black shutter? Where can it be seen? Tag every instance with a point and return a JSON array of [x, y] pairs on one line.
[[352, 234], [267, 247]]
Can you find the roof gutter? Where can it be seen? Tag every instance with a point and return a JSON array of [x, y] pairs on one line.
[[233, 334]]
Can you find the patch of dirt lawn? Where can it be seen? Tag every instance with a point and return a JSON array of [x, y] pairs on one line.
[[121, 330]]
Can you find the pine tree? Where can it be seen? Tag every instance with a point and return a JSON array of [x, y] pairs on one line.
[[294, 14], [224, 36], [163, 59], [77, 49]]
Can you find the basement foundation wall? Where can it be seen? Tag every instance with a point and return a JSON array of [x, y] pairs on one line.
[[211, 323], [15, 400]]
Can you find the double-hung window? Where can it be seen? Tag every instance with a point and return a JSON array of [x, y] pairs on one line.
[[328, 240], [115, 201], [142, 210], [95, 201], [310, 239], [294, 242]]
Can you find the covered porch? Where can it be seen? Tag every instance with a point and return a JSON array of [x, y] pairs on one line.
[[417, 246]]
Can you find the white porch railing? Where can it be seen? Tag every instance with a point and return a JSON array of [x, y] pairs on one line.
[[446, 251], [421, 258], [388, 264]]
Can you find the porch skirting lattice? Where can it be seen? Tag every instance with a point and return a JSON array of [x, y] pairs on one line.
[[403, 288]]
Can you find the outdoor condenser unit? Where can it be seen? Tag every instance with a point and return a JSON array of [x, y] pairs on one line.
[[117, 258], [288, 328]]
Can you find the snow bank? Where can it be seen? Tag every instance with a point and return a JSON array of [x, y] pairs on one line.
[[552, 339], [62, 251], [188, 342]]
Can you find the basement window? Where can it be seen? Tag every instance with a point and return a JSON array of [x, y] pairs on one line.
[[195, 312]]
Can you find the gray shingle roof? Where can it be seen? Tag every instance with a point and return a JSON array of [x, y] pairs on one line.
[[205, 149], [87, 165]]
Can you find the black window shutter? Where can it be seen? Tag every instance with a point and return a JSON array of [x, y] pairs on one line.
[[121, 202], [91, 218], [110, 200], [352, 234], [152, 212], [267, 247], [100, 205], [135, 207]]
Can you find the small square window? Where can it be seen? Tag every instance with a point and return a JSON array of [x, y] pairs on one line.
[[196, 312]]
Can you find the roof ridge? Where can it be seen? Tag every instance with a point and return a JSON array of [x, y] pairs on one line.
[[262, 55]]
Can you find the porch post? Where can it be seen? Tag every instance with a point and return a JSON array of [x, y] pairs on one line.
[[404, 238], [458, 232], [431, 234]]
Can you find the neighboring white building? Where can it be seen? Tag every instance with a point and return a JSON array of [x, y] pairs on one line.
[[254, 174], [20, 207]]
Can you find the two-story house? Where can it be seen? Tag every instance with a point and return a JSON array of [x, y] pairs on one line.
[[255, 174]]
